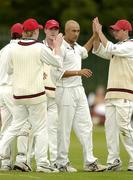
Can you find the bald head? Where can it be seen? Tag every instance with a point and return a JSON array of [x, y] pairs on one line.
[[70, 24], [72, 30]]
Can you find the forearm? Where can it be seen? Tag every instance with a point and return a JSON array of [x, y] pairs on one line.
[[71, 73], [83, 72], [51, 58], [103, 39], [89, 43], [96, 43]]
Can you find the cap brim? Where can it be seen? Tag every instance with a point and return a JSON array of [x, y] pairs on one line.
[[52, 26], [114, 27]]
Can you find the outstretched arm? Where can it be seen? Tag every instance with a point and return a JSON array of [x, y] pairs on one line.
[[96, 42], [98, 29], [89, 43]]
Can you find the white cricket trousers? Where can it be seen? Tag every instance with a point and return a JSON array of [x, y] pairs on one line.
[[7, 106], [52, 133], [22, 142], [73, 112], [36, 115], [118, 123], [52, 128]]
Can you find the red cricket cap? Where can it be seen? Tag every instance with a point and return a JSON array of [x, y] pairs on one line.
[[51, 24], [31, 24], [122, 25], [17, 28]]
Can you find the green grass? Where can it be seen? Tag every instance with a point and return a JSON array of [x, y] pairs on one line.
[[75, 155]]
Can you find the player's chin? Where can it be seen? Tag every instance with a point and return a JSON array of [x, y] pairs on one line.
[[75, 39]]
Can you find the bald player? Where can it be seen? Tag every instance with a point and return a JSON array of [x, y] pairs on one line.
[[73, 110]]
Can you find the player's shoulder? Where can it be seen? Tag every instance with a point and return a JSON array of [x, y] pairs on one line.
[[39, 44], [129, 40], [5, 48], [80, 47], [128, 43]]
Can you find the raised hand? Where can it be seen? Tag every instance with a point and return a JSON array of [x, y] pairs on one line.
[[96, 25], [98, 28], [58, 40]]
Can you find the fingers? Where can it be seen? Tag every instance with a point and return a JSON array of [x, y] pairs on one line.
[[96, 20], [95, 24], [93, 27], [58, 40], [60, 35], [86, 73]]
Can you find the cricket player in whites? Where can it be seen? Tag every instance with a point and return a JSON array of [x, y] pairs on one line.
[[73, 110], [26, 63], [7, 104], [51, 30], [119, 96]]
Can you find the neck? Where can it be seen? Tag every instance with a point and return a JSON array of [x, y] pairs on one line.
[[124, 38], [50, 43], [29, 38], [69, 42]]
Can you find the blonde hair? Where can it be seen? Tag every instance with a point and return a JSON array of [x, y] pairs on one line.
[[28, 33]]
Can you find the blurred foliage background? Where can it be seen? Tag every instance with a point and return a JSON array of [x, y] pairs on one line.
[[108, 11]]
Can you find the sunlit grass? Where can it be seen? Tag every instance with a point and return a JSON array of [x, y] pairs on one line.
[[75, 155]]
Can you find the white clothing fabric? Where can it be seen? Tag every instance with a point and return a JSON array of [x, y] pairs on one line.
[[7, 105], [120, 76], [5, 79], [71, 61], [52, 117], [51, 113], [36, 113], [100, 109], [118, 121], [48, 83], [24, 86], [119, 97], [73, 110], [37, 118], [22, 142]]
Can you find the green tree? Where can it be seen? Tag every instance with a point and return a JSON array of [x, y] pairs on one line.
[[108, 11]]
